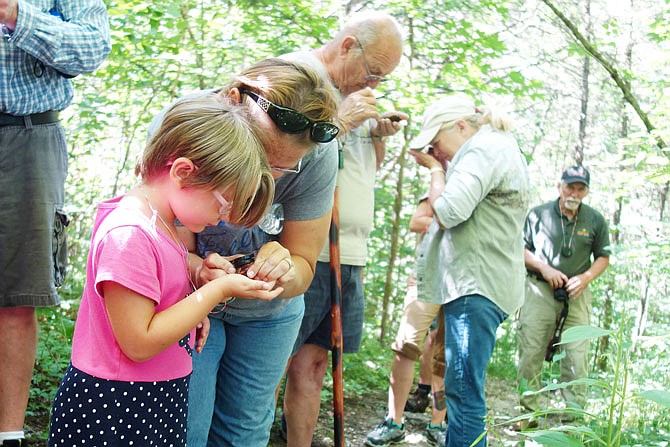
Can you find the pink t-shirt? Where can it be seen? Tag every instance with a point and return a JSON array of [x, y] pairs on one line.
[[128, 249]]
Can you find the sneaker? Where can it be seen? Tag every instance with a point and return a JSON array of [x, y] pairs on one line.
[[418, 401], [433, 432], [386, 433], [442, 439]]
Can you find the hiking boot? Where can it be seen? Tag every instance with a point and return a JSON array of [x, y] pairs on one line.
[[418, 401], [386, 433], [433, 432]]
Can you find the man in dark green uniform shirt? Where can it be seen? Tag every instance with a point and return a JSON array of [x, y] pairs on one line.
[[560, 238]]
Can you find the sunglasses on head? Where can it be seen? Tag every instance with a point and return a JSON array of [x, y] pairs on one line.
[[292, 121]]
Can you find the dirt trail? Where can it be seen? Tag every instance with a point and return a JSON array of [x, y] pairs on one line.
[[362, 414]]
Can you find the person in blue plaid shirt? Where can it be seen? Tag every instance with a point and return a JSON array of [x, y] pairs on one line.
[[43, 44]]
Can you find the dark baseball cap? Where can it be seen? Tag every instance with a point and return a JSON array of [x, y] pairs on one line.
[[576, 174]]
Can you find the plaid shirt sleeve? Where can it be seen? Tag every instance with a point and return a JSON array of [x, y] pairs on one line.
[[53, 41]]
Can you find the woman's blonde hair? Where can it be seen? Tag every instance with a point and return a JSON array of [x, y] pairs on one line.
[[220, 140], [293, 85], [484, 115]]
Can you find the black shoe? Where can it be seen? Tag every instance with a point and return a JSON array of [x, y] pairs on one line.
[[14, 443], [418, 401]]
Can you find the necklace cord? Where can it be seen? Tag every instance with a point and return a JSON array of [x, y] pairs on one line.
[[177, 240], [572, 235]]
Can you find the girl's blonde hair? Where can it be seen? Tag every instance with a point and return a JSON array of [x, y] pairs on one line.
[[220, 140], [293, 85]]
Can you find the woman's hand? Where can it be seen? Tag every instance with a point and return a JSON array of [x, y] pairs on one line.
[[426, 159], [273, 263]]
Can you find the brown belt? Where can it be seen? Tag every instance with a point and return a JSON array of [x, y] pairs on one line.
[[48, 117]]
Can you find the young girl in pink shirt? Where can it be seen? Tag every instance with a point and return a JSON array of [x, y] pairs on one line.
[[141, 314]]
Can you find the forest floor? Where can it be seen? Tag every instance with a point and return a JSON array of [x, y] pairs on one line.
[[363, 413]]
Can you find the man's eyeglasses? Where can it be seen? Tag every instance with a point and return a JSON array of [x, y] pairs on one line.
[[292, 121], [370, 77]]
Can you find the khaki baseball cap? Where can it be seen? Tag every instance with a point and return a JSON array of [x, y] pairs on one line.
[[447, 109]]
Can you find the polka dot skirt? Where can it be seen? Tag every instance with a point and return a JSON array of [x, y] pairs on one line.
[[89, 411]]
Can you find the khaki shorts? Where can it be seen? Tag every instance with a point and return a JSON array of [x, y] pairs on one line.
[[33, 167], [414, 325]]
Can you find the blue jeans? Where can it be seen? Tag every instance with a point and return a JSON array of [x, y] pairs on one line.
[[470, 324], [231, 395]]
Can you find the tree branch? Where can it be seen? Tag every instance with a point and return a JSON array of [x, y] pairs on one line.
[[619, 80]]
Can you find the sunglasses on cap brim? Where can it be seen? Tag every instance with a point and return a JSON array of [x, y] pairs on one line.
[[294, 122]]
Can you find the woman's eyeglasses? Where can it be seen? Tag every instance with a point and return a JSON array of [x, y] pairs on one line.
[[294, 170], [292, 121]]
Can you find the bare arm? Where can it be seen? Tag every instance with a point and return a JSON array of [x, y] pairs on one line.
[[302, 241], [380, 151], [422, 218], [142, 333], [291, 262], [576, 285], [437, 180]]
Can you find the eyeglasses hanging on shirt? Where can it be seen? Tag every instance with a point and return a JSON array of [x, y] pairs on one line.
[[38, 66]]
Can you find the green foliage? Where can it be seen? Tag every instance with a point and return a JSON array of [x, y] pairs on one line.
[[604, 426], [509, 53]]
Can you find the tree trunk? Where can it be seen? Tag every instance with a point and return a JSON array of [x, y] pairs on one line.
[[584, 106], [393, 252]]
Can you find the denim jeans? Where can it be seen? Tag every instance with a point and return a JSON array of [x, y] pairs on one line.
[[231, 395], [470, 324]]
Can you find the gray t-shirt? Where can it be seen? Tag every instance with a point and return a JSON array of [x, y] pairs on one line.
[[304, 196]]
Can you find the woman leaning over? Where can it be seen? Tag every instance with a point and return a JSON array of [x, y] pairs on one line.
[[471, 260], [231, 398]]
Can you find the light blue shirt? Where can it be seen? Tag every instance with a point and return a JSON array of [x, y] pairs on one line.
[[475, 244], [49, 42]]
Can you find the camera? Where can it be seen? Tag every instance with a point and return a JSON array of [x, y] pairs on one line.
[[561, 294]]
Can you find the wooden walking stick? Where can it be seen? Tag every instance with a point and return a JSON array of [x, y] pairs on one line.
[[336, 324]]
